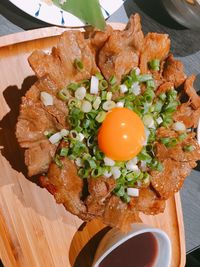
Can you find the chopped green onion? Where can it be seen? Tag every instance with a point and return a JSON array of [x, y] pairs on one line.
[[158, 106], [99, 76], [167, 120], [103, 84], [103, 95], [86, 84], [144, 78], [58, 161], [73, 86], [64, 152], [83, 173], [188, 148], [154, 64], [156, 165], [63, 94], [165, 140], [89, 97], [148, 120], [108, 105], [128, 81], [97, 172], [162, 96], [97, 153], [151, 84], [78, 64], [119, 191], [115, 88], [73, 102], [169, 142], [96, 103], [109, 96], [112, 80], [101, 116], [182, 137], [129, 105], [172, 94], [143, 155], [90, 162], [170, 106], [149, 95], [126, 198], [134, 75]]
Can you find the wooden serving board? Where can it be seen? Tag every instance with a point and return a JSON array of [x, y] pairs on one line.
[[34, 230]]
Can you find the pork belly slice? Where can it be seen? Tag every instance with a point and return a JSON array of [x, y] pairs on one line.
[[58, 66], [149, 202], [73, 46], [120, 53], [173, 71], [156, 46], [38, 157], [171, 179], [177, 163], [187, 115], [118, 214], [99, 191], [65, 185], [191, 92]]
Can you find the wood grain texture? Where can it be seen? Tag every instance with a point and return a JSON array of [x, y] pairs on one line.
[[34, 230]]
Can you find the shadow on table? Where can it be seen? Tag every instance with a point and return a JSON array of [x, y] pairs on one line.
[[87, 253], [8, 141], [156, 19]]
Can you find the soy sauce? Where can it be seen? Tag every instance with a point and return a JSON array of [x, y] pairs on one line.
[[138, 251]]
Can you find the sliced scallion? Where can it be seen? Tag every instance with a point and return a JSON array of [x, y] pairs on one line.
[[78, 64], [154, 64]]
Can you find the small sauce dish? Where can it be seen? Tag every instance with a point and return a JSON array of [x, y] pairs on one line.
[[142, 246]]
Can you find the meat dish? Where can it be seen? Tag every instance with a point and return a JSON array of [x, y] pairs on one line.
[[86, 77]]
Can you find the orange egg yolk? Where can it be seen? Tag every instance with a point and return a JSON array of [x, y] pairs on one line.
[[121, 135]]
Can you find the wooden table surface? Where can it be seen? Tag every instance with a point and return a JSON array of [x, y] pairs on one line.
[[185, 45]]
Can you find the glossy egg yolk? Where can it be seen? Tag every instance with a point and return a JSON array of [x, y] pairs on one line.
[[121, 135]]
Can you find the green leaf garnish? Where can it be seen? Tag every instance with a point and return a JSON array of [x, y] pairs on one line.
[[88, 11]]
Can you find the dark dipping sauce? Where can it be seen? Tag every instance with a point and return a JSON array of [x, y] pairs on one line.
[[138, 251]]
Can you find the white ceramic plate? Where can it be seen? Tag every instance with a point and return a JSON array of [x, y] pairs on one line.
[[54, 15]]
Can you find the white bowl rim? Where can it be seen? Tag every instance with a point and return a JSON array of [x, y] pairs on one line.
[[133, 234]]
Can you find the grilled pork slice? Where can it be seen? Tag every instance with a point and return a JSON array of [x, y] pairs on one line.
[[149, 202], [190, 91], [156, 46], [177, 163], [173, 71], [118, 214], [99, 191], [187, 115], [120, 53], [65, 185], [171, 179]]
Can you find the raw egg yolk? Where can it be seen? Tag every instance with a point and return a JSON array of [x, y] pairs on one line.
[[121, 135]]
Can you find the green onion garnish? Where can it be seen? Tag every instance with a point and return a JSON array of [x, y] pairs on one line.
[[112, 80], [144, 78], [99, 76], [101, 116], [154, 64], [103, 84], [78, 64], [64, 152], [63, 94], [182, 137], [73, 86], [58, 161], [188, 148]]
